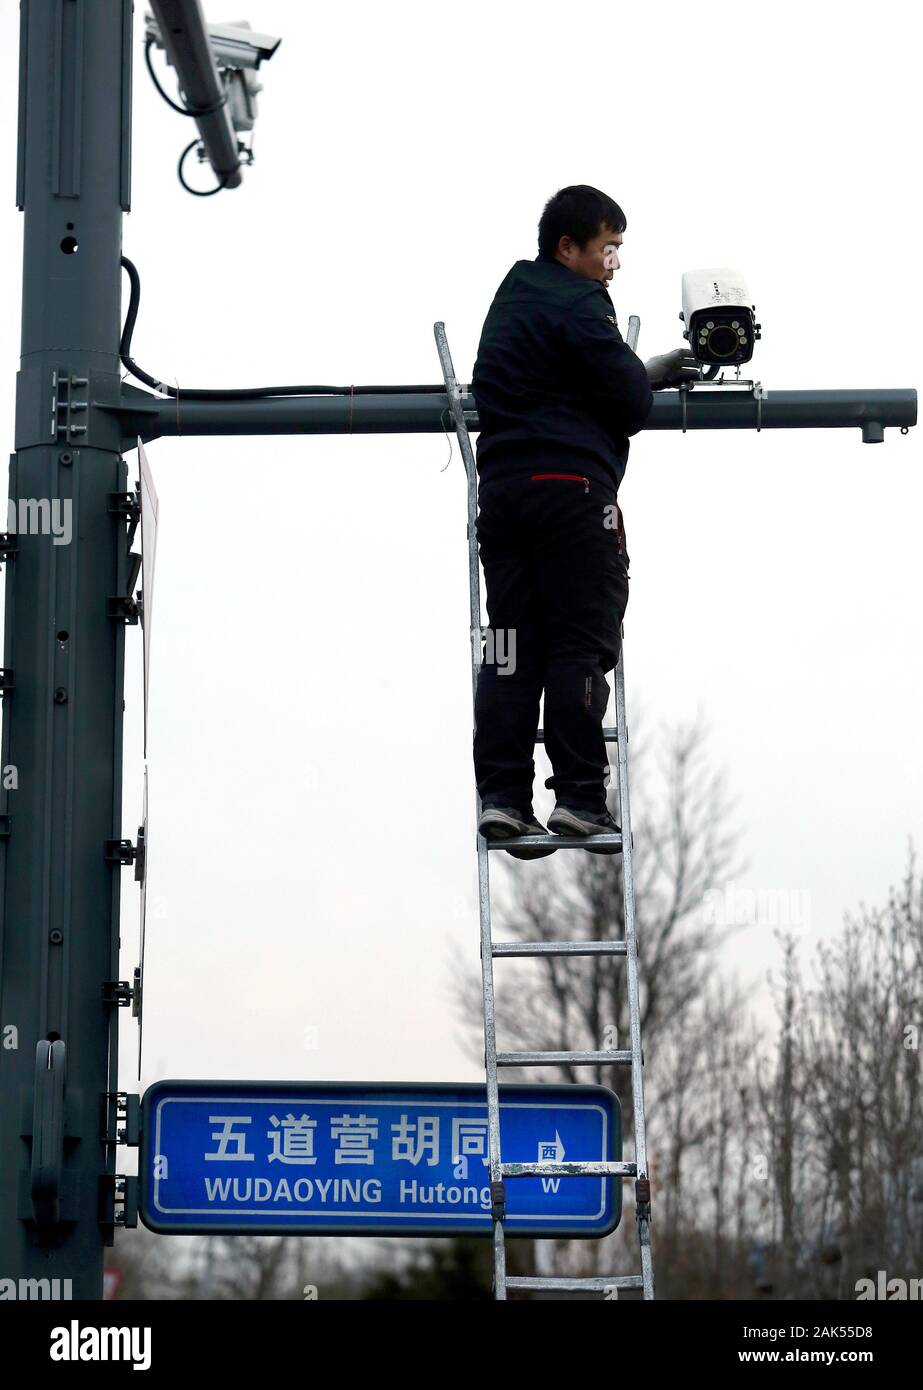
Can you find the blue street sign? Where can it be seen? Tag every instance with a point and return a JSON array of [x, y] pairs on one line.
[[370, 1158]]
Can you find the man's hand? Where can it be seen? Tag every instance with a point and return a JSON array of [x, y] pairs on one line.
[[673, 369]]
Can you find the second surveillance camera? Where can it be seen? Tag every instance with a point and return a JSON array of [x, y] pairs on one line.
[[233, 46], [720, 324], [239, 46]]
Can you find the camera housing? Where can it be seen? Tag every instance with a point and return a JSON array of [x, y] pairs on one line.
[[239, 46], [232, 45], [238, 52], [720, 324]]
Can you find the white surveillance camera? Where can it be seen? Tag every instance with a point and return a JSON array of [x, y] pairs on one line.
[[232, 45], [238, 51], [720, 324], [239, 46]]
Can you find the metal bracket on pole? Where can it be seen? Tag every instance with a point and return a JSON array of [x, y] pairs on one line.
[[9, 544], [117, 992], [123, 1118], [48, 1134], [140, 856], [120, 852], [7, 680], [498, 1200], [66, 404], [759, 395], [126, 504], [118, 1200], [643, 1199], [123, 609], [126, 608]]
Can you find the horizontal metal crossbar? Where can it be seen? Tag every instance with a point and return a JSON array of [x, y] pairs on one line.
[[550, 1059], [610, 734], [559, 948], [598, 1284], [429, 412], [559, 841], [576, 1169]]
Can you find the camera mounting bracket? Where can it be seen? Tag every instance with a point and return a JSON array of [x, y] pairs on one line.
[[759, 393]]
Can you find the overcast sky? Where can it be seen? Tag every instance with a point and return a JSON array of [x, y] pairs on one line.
[[312, 860]]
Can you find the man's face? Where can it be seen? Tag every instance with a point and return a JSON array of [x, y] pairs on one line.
[[598, 260]]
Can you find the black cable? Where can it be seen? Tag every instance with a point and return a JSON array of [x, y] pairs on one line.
[[183, 110], [197, 192], [246, 393], [187, 111]]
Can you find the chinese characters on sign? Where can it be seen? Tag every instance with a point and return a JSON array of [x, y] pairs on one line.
[[292, 1139]]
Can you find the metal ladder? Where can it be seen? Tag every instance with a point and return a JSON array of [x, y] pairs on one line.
[[500, 1171]]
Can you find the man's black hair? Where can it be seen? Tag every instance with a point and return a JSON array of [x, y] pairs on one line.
[[578, 211]]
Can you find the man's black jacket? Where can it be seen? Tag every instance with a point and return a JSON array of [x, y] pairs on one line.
[[554, 381]]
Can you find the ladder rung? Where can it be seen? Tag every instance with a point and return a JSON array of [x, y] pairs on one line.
[[576, 1169], [559, 841], [559, 948], [598, 1284], [610, 734], [550, 1059]]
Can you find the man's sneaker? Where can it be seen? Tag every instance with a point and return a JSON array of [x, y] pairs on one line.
[[565, 820], [505, 823]]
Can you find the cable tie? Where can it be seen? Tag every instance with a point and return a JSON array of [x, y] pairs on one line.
[[208, 110]]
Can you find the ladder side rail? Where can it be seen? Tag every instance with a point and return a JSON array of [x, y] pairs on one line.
[[631, 938], [497, 1188], [631, 962]]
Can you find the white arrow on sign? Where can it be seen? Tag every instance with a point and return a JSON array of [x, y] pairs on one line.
[[551, 1150]]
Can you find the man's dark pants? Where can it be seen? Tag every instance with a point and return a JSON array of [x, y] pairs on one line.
[[557, 587]]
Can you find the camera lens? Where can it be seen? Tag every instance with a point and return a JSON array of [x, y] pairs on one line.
[[723, 340]]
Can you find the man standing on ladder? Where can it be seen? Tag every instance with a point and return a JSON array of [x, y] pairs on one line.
[[558, 393]]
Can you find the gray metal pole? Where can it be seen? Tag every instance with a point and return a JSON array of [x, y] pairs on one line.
[[425, 412], [62, 716]]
